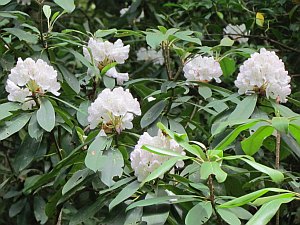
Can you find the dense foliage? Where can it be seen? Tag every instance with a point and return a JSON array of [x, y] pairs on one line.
[[149, 112]]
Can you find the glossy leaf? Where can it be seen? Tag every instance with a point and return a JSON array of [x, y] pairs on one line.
[[228, 216], [208, 168], [46, 115], [128, 191], [253, 143], [13, 126], [199, 214], [267, 211], [153, 113]]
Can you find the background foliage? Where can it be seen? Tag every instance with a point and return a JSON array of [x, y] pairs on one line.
[[44, 175]]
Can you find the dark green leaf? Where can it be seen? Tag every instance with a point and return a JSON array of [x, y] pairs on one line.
[[128, 191], [153, 113]]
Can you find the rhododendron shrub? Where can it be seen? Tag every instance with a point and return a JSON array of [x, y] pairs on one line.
[[149, 112]]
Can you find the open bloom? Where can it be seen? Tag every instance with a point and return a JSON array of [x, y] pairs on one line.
[[114, 110], [265, 73], [143, 162], [103, 53], [202, 69], [236, 32], [30, 79], [24, 2], [149, 54]]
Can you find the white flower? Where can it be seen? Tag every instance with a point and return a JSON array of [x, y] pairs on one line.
[[30, 78], [125, 10], [235, 32], [120, 77], [202, 69], [264, 72], [149, 54], [114, 109], [105, 52], [143, 162], [24, 2]]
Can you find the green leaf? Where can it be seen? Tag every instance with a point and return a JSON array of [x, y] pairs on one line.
[[267, 211], [295, 131], [67, 5], [153, 113], [226, 41], [103, 33], [88, 211], [22, 35], [155, 39], [233, 135], [128, 191], [4, 2], [34, 129], [109, 82], [186, 36], [83, 113], [166, 166], [70, 79], [264, 200], [46, 115], [228, 66], [244, 109], [75, 180], [208, 168], [199, 214], [47, 11], [281, 124], [17, 207], [228, 216], [7, 108], [275, 175], [160, 200], [245, 199], [111, 166], [39, 206], [107, 68], [163, 152], [14, 125], [117, 184], [183, 142], [28, 151], [253, 143], [94, 159], [205, 92]]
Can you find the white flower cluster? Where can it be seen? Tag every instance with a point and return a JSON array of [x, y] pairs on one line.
[[265, 72], [24, 2], [125, 10], [150, 54], [202, 69], [29, 78], [114, 110], [144, 162], [236, 32], [103, 53]]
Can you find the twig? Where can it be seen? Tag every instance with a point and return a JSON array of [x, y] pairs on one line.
[[212, 197], [166, 55], [277, 160]]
